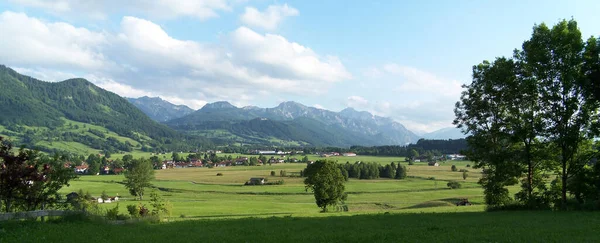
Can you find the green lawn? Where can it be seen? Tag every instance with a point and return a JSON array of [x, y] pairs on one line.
[[542, 226]]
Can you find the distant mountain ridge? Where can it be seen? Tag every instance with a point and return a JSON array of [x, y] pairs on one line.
[[445, 133], [158, 109], [290, 121]]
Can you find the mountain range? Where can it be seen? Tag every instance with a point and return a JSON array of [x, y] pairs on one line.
[[158, 109], [77, 115]]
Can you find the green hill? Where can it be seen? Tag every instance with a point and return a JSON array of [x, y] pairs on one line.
[[77, 114]]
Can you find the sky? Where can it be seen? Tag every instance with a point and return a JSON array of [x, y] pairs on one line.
[[401, 59]]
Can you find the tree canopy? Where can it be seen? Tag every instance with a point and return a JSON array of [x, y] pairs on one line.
[[530, 115], [138, 176], [325, 180]]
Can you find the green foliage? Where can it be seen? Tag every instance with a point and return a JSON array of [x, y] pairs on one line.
[[465, 174], [531, 114], [160, 207], [273, 173], [30, 180], [104, 196], [400, 172], [134, 210], [326, 181], [454, 185], [112, 213], [453, 168], [138, 177]]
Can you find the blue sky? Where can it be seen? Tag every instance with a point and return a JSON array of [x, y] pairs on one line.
[[401, 59]]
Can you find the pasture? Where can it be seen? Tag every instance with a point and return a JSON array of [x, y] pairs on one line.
[[197, 193]]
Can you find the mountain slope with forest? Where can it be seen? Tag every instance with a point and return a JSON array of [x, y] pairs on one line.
[[38, 113]]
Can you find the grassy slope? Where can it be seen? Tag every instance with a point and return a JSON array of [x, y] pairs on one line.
[[76, 147], [424, 227]]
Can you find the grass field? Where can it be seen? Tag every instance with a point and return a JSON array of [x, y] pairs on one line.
[[198, 193], [542, 226], [210, 208]]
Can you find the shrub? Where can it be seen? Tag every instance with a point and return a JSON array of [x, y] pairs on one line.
[[272, 173], [454, 185], [465, 175], [134, 210], [463, 170], [143, 211], [454, 168], [113, 213], [468, 165], [279, 182], [411, 162], [219, 174], [182, 216], [431, 178]]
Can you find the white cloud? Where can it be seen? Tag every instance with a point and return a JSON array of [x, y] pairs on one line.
[[419, 100], [200, 9], [27, 40], [357, 101], [141, 58], [318, 106], [269, 19], [278, 57]]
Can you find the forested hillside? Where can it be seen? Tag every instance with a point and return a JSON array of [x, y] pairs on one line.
[[34, 111]]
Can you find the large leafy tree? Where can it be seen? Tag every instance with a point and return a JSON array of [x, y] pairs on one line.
[[30, 180], [138, 176], [482, 112], [524, 113], [555, 58], [325, 180]]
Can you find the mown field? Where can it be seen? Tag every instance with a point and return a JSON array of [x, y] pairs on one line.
[[542, 226], [197, 193]]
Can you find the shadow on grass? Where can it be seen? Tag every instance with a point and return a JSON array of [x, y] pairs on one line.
[[522, 226]]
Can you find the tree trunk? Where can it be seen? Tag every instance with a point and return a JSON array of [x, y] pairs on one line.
[[529, 173], [564, 184]]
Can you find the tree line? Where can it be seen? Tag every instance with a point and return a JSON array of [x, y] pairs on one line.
[[532, 118]]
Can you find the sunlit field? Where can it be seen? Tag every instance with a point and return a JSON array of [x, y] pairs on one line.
[[199, 193]]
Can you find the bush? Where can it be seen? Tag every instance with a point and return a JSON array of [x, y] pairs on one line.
[[454, 168], [279, 182], [468, 165], [134, 210], [219, 174], [113, 213], [454, 185], [463, 170], [465, 175], [272, 173], [411, 162]]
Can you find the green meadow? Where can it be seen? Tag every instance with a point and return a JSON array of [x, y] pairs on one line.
[[199, 193], [211, 208]]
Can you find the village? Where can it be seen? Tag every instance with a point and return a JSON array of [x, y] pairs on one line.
[[216, 158]]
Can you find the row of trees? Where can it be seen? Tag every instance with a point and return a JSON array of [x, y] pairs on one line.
[[531, 118], [372, 170]]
